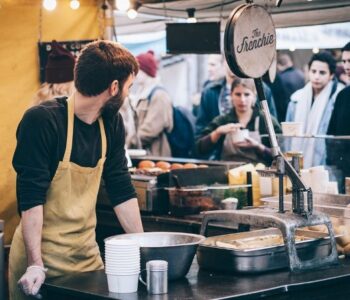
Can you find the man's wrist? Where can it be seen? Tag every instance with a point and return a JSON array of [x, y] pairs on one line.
[[36, 262], [42, 268], [215, 135], [261, 148]]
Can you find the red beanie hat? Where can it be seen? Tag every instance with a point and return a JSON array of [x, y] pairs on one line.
[[60, 65], [148, 63]]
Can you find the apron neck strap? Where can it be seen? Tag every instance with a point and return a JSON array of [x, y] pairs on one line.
[[103, 138], [257, 124], [70, 128]]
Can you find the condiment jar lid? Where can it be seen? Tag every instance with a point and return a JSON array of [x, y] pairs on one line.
[[157, 265]]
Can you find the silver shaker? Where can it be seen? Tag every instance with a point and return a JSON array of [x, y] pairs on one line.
[[157, 276]]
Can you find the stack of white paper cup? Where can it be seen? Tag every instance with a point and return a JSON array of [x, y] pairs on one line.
[[122, 265], [292, 128], [319, 179]]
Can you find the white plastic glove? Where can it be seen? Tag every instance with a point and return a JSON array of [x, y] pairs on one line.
[[32, 280]]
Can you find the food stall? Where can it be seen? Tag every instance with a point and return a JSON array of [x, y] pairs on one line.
[[303, 263], [204, 282]]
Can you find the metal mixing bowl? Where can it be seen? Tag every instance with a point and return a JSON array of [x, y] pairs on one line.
[[177, 248]]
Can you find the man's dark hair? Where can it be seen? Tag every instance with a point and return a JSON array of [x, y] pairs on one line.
[[99, 64], [326, 58], [346, 47]]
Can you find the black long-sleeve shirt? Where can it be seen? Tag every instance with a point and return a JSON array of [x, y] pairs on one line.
[[41, 143]]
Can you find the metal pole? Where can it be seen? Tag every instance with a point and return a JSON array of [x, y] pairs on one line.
[[267, 116]]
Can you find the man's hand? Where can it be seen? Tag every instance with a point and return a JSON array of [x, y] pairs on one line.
[[32, 280]]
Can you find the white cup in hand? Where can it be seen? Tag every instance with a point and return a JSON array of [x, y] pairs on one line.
[[239, 135]]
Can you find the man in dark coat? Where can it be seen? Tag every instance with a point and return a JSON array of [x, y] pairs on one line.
[[339, 125]]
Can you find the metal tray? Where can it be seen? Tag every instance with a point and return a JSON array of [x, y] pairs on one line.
[[258, 260]]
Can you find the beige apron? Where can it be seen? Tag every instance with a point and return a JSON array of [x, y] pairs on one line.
[[68, 235], [231, 152]]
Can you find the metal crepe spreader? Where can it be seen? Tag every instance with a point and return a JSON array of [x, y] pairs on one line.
[[250, 48]]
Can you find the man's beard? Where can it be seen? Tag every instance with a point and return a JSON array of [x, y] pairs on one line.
[[114, 103]]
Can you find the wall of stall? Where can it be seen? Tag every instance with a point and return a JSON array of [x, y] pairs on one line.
[[20, 21]]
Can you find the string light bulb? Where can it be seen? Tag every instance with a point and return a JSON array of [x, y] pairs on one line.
[[122, 5], [132, 14], [191, 18], [50, 4], [74, 4]]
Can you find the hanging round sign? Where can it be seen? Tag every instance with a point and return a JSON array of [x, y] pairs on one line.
[[250, 41]]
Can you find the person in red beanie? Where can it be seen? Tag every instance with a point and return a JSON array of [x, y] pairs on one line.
[[152, 103], [59, 73]]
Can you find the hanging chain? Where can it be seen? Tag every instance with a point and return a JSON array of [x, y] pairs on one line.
[[102, 18], [221, 8], [40, 29], [165, 9]]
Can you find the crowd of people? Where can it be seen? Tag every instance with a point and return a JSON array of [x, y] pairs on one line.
[[227, 104]]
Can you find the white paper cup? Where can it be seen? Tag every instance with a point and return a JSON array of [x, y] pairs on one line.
[[121, 258], [306, 177], [122, 255], [316, 169], [229, 203], [123, 283], [239, 135], [130, 264], [292, 128], [121, 272], [265, 186], [319, 181], [332, 188], [121, 242], [122, 248]]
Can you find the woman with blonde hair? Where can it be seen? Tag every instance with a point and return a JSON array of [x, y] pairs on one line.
[[217, 137], [59, 72]]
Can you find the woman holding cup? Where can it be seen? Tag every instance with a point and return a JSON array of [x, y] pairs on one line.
[[236, 135]]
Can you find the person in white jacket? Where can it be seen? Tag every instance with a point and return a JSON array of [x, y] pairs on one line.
[[313, 106]]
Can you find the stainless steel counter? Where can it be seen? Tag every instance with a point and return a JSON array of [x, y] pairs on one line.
[[322, 284]]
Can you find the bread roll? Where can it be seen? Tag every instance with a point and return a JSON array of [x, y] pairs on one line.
[[346, 250], [319, 228], [343, 240], [190, 166], [145, 164], [163, 165], [175, 166]]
